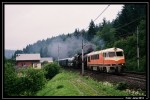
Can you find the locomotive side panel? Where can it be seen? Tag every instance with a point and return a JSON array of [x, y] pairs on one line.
[[108, 60], [96, 60]]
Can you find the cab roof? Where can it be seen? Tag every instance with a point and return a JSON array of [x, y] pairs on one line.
[[105, 50]]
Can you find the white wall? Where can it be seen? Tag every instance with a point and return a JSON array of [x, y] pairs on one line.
[[38, 65]]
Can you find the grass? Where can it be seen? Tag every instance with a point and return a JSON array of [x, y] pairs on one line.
[[68, 83]]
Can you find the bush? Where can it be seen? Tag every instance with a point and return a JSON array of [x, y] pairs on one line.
[[131, 65], [9, 79], [31, 81], [51, 70], [121, 86], [27, 84], [142, 67], [44, 63]]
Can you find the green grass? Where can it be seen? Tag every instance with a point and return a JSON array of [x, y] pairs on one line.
[[69, 83]]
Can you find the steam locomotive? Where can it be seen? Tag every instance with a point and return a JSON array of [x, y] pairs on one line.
[[108, 60]]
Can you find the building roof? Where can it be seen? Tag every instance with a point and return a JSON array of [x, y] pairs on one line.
[[49, 59], [20, 57]]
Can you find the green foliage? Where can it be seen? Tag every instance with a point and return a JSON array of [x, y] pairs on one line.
[[26, 84], [69, 83], [44, 63], [121, 86], [130, 13], [31, 81], [143, 64], [76, 33], [51, 70], [129, 45], [131, 64], [9, 79], [106, 33], [142, 38], [60, 86], [9, 62], [91, 31]]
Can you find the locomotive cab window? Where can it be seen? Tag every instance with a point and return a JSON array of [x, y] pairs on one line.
[[120, 53], [88, 59], [95, 57], [111, 54], [105, 54]]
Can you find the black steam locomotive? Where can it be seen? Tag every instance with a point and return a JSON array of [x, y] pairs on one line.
[[74, 62]]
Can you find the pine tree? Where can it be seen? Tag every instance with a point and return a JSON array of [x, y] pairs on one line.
[[91, 31]]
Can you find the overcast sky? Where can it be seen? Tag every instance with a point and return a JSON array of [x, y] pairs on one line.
[[26, 24]]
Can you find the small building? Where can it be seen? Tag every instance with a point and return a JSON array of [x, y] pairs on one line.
[[26, 60]]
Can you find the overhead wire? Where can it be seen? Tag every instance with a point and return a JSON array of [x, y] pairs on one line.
[[128, 24], [98, 17], [100, 14]]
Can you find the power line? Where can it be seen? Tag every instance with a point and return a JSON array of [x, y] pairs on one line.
[[82, 39], [100, 14], [128, 23]]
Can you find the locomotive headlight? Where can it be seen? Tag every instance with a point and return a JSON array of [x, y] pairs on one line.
[[122, 64]]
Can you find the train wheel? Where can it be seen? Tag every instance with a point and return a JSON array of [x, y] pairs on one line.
[[104, 69], [118, 69], [100, 69]]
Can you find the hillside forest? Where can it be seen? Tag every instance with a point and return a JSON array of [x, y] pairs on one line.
[[120, 33]]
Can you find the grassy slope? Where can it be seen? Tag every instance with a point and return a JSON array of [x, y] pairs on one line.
[[72, 84]]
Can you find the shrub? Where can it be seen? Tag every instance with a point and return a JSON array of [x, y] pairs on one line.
[[9, 79], [51, 70], [44, 63], [121, 86], [131, 65], [28, 83], [60, 86], [31, 81], [142, 67]]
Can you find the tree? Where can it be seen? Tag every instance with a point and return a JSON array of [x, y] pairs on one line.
[[129, 18], [107, 34], [17, 52], [9, 79], [83, 33], [91, 31], [77, 33]]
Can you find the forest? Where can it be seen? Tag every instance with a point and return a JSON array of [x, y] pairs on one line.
[[120, 33]]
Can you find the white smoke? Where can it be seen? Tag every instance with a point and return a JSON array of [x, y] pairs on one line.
[[68, 47]]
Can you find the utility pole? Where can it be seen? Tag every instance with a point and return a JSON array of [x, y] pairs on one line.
[[137, 49], [58, 54], [82, 57]]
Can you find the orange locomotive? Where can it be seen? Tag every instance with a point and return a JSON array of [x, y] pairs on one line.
[[107, 60]]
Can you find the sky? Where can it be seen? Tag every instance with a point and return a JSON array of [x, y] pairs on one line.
[[26, 24]]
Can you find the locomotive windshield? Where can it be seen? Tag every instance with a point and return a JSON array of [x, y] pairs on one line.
[[120, 53], [112, 54]]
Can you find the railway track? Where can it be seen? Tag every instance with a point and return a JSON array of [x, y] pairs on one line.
[[134, 81], [137, 79], [135, 76]]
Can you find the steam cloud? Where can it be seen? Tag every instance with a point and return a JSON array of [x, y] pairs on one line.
[[68, 47]]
